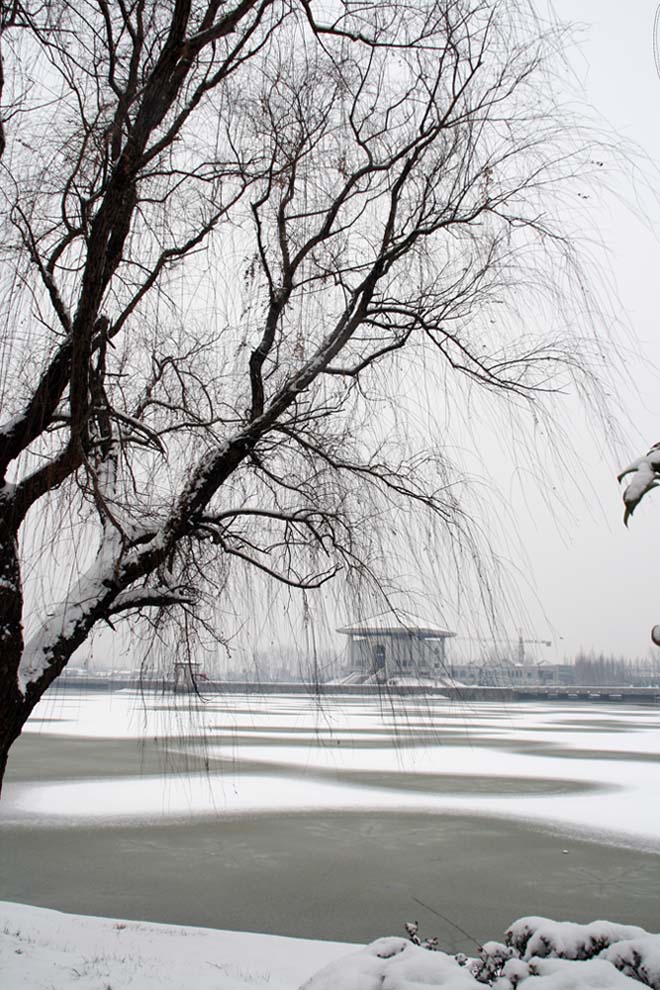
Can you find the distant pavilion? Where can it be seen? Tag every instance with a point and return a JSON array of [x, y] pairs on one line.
[[383, 648]]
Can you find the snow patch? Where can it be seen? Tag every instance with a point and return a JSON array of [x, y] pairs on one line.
[[567, 974], [41, 949]]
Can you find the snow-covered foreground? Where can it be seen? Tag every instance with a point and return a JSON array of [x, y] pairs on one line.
[[538, 954], [48, 950]]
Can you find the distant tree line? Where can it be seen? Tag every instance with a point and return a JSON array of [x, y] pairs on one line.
[[592, 668]]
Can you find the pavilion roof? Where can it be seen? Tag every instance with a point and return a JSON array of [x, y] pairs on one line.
[[388, 625]]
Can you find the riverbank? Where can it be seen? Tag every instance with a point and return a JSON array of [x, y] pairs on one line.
[[43, 950]]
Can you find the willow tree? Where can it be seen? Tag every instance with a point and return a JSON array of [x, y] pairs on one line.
[[222, 222]]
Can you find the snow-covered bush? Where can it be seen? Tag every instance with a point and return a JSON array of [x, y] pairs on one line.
[[565, 939], [539, 954], [571, 974], [412, 927], [514, 972], [637, 957], [393, 964], [491, 962]]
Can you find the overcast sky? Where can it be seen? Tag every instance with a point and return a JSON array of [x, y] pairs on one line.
[[599, 584]]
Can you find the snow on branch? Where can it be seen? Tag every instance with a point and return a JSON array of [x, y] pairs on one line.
[[646, 475], [97, 594], [159, 596], [65, 627]]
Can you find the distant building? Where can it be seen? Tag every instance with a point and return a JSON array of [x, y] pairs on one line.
[[381, 649], [509, 673]]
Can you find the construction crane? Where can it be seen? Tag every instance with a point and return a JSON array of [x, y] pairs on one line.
[[521, 645]]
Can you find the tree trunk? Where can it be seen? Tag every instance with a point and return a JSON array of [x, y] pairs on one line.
[[14, 708], [14, 712]]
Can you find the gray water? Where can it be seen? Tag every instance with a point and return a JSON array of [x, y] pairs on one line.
[[338, 820]]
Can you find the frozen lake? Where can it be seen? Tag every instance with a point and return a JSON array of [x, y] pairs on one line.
[[335, 818]]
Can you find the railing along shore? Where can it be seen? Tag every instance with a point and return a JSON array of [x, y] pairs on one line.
[[648, 695]]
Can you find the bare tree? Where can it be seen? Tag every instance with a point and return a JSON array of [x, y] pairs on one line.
[[222, 225]]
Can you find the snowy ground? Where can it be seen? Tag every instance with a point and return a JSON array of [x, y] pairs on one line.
[[48, 950]]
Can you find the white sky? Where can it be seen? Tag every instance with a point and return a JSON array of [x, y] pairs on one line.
[[598, 583]]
